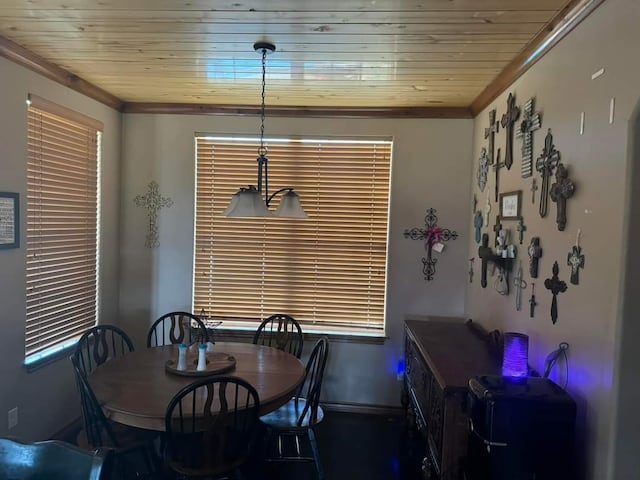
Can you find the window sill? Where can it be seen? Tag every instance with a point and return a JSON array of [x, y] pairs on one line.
[[49, 359], [240, 334]]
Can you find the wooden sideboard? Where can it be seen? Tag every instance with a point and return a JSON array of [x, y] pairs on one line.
[[441, 355]]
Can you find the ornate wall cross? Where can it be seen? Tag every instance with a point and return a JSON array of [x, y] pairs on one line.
[[532, 301], [530, 123], [496, 228], [485, 254], [534, 187], [433, 236], [490, 133], [535, 252], [487, 211], [575, 259], [546, 164], [470, 272], [483, 169], [556, 286], [519, 283], [508, 120], [152, 201], [520, 228], [561, 190], [477, 225], [496, 168]]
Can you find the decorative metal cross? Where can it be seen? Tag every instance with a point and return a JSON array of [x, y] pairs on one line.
[[575, 260], [496, 228], [490, 133], [477, 224], [508, 119], [534, 187], [545, 164], [152, 201], [487, 211], [520, 229], [432, 235], [474, 203], [483, 169], [532, 301], [530, 123], [471, 260], [556, 286], [485, 254], [560, 191], [535, 252], [519, 283], [496, 167]]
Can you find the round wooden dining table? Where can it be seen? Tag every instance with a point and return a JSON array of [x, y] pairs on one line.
[[135, 389]]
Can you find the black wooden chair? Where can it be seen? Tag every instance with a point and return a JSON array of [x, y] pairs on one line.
[[134, 452], [177, 327], [282, 332], [51, 460], [289, 424], [99, 344], [211, 427]]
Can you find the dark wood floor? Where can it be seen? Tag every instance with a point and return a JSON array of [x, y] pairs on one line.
[[356, 447]]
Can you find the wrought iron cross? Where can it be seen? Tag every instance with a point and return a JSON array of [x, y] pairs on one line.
[[483, 169], [152, 201], [561, 190], [530, 123], [535, 252], [432, 234], [575, 259], [520, 228], [496, 167], [490, 133], [519, 283], [546, 164], [534, 187], [556, 286], [508, 119]]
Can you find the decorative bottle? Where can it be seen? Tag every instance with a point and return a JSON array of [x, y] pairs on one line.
[[182, 357], [202, 357]]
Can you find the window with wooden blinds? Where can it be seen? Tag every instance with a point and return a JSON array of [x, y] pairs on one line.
[[328, 271], [62, 227]]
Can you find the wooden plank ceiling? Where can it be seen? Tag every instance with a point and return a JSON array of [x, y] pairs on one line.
[[331, 53]]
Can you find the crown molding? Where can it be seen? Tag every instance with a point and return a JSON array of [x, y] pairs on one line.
[[573, 13], [291, 111], [20, 55]]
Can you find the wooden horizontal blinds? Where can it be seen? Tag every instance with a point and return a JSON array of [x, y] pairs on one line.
[[329, 270], [62, 227]]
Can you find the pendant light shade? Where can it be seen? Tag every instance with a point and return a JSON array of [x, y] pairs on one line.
[[249, 201], [290, 206]]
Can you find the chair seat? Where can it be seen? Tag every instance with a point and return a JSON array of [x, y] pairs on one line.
[[286, 417]]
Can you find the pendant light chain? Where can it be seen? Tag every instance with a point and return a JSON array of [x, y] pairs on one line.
[[262, 150]]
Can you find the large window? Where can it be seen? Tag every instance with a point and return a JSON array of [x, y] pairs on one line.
[[327, 271], [62, 227]]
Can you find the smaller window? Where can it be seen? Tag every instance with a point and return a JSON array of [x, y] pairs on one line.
[[62, 227]]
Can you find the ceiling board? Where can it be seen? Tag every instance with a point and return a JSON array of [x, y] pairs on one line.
[[335, 53]]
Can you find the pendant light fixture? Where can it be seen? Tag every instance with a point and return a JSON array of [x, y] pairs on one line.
[[249, 201]]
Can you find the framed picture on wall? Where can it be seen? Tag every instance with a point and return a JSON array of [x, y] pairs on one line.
[[9, 220], [510, 205]]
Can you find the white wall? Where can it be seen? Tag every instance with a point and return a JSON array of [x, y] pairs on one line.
[[46, 398], [430, 169], [589, 313]]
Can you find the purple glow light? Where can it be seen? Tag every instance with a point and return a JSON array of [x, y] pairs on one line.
[[516, 355]]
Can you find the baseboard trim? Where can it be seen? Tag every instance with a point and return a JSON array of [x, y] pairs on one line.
[[341, 407], [69, 432]]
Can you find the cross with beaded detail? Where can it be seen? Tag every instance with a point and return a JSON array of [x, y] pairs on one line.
[[433, 236]]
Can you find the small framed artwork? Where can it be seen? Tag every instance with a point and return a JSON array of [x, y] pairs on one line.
[[510, 203], [9, 220]]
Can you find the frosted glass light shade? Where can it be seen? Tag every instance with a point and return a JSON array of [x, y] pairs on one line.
[[247, 203], [290, 206]]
